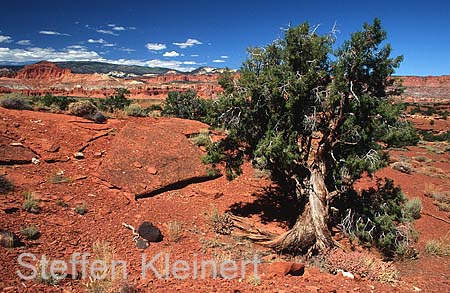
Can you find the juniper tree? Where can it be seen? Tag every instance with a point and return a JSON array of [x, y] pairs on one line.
[[316, 117]]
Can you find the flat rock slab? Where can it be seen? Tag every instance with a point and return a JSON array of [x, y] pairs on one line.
[[149, 158], [12, 152]]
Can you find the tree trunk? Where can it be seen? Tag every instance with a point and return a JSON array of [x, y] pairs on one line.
[[310, 232]]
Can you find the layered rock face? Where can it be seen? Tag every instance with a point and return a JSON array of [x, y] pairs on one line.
[[46, 77], [43, 71], [426, 88]]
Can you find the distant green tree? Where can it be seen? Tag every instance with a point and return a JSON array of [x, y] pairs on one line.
[[116, 102], [316, 118], [185, 105]]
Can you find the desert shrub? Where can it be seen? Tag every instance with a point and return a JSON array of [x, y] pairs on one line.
[[430, 136], [82, 108], [5, 185], [377, 217], [363, 264], [413, 208], [401, 136], [116, 102], [402, 167], [15, 102], [201, 139], [212, 172], [135, 110], [174, 229], [439, 247], [81, 209], [60, 102], [87, 110], [98, 117], [185, 105], [30, 232], [221, 223], [31, 204]]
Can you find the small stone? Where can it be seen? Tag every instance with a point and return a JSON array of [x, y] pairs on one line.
[[17, 144], [78, 155], [35, 161], [79, 177], [150, 232], [142, 243], [98, 154], [152, 170], [137, 165], [53, 148]]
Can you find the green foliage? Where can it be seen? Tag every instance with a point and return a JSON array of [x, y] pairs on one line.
[[185, 105], [381, 217], [226, 81], [15, 102], [82, 108], [298, 101], [135, 110], [413, 208], [116, 102], [201, 139], [430, 136], [31, 204], [61, 102], [30, 232]]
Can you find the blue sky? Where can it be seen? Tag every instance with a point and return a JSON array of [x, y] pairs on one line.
[[187, 34]]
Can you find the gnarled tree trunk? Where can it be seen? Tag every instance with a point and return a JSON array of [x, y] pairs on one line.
[[310, 231]]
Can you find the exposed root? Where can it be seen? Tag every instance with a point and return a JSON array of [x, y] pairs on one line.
[[436, 217]]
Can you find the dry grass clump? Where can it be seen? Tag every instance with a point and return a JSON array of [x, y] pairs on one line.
[[439, 247], [363, 264], [221, 223], [441, 198], [174, 229]]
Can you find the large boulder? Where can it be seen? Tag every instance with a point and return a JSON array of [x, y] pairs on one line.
[[149, 158]]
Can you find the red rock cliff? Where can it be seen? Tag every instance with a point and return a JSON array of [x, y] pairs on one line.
[[43, 70]]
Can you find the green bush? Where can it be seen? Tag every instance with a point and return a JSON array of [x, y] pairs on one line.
[[185, 105], [413, 208], [82, 108], [31, 204], [30, 232], [60, 102], [116, 102], [135, 110], [15, 103], [201, 139], [377, 217]]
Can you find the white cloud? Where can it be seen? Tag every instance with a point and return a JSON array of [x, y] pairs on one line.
[[53, 33], [81, 53], [99, 41], [155, 46], [224, 57], [218, 61], [6, 39], [24, 42], [118, 28], [108, 45], [76, 47], [107, 32], [195, 55], [171, 54], [128, 50], [188, 43], [50, 54]]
